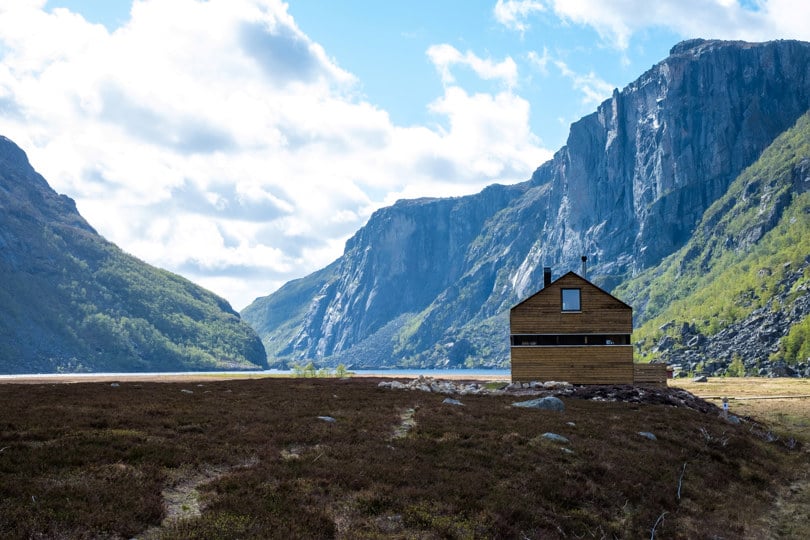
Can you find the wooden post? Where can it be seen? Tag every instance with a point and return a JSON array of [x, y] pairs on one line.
[[725, 408]]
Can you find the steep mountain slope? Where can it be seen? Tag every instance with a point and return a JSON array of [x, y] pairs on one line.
[[429, 282], [739, 288], [71, 301]]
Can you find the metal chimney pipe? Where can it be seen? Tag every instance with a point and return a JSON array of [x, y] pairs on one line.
[[584, 272], [546, 276]]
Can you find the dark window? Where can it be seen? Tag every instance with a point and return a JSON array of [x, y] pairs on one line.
[[546, 340], [570, 300], [532, 340], [571, 339]]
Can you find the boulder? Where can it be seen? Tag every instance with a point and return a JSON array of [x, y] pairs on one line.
[[556, 385], [554, 437], [666, 343], [548, 403]]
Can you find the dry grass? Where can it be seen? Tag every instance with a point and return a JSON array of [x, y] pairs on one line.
[[96, 461], [784, 405], [760, 398]]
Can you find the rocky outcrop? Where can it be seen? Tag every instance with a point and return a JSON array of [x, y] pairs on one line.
[[752, 339], [671, 396], [429, 282]]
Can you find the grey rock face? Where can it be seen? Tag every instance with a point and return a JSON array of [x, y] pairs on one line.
[[637, 175], [399, 263], [429, 282]]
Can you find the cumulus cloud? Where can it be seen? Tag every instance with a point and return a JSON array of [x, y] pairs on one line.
[[593, 88], [616, 21], [540, 61], [445, 56], [217, 140], [513, 13]]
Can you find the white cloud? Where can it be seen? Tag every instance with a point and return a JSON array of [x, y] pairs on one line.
[[616, 21], [513, 13], [540, 61], [445, 56], [217, 140], [489, 135], [594, 89]]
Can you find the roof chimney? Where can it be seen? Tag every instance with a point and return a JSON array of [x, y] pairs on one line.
[[546, 276], [584, 271]]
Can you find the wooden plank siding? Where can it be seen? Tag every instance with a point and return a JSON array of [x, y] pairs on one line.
[[590, 364], [600, 314], [542, 313], [650, 374]]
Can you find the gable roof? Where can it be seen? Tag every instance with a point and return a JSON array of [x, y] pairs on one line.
[[580, 278]]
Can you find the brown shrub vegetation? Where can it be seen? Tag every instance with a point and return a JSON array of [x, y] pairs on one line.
[[91, 460]]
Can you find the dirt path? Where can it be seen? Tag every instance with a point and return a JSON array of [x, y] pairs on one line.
[[181, 497], [407, 422], [790, 517]]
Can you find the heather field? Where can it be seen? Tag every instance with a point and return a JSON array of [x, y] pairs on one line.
[[784, 405], [343, 458]]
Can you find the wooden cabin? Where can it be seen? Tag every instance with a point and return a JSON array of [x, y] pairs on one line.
[[572, 330]]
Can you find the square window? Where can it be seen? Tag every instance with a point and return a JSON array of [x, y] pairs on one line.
[[570, 300]]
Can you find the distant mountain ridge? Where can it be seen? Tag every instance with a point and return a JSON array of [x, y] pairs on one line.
[[429, 282], [72, 301]]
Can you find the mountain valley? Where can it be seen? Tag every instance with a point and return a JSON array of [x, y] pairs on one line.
[[656, 169]]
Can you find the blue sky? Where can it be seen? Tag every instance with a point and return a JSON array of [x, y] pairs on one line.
[[241, 142]]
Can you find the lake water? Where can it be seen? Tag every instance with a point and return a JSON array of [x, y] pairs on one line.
[[435, 373]]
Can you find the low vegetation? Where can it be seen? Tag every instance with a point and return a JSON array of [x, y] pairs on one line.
[[325, 458], [309, 370], [784, 405]]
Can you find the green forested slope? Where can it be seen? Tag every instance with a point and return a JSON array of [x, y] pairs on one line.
[[71, 301]]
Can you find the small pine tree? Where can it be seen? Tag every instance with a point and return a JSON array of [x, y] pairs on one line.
[[736, 368]]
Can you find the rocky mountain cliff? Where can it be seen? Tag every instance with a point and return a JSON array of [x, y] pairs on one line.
[[736, 298], [71, 301], [429, 282]]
